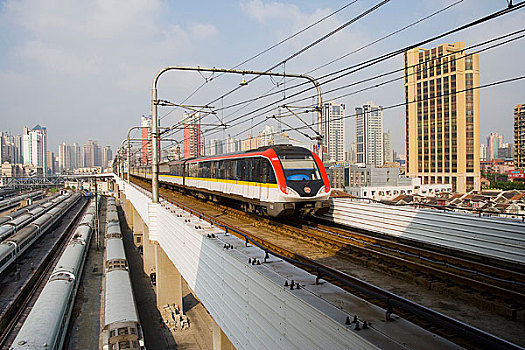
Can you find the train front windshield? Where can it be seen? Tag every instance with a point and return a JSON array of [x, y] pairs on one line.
[[300, 168]]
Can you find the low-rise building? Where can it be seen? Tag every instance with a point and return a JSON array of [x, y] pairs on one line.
[[386, 183], [497, 166]]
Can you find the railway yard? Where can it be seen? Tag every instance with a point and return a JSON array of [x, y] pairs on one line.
[[465, 301]]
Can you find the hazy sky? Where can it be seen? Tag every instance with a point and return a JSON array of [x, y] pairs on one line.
[[84, 69]]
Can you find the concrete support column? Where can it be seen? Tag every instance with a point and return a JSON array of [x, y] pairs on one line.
[[169, 281], [129, 213], [138, 227], [220, 340], [148, 252]]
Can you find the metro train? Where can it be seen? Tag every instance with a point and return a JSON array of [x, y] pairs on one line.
[[280, 180], [21, 240], [15, 221], [46, 325], [11, 202], [122, 329]]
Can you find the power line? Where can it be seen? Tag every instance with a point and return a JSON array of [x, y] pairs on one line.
[[387, 56], [397, 105], [309, 46], [384, 57], [269, 49], [402, 69]]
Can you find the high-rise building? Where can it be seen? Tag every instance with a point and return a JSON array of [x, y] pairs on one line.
[[442, 116], [506, 151], [482, 152], [519, 136], [193, 142], [146, 150], [232, 145], [107, 157], [388, 153], [494, 142], [334, 131], [267, 135], [76, 156], [216, 147], [34, 147], [64, 157], [51, 165], [91, 154], [369, 134]]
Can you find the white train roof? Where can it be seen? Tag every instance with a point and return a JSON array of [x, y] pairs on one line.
[[115, 249], [119, 305]]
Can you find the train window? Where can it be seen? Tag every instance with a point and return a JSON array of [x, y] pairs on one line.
[[256, 169], [267, 173], [247, 170], [123, 330], [300, 167], [228, 174], [219, 174], [124, 345], [239, 175], [213, 169], [132, 331], [112, 333]]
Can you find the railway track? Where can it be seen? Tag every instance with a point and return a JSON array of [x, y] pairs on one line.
[[383, 255], [12, 314]]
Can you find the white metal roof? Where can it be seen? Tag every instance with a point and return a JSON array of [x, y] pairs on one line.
[[40, 329], [115, 249], [119, 304]]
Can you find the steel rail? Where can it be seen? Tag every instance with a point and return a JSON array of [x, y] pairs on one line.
[[462, 329]]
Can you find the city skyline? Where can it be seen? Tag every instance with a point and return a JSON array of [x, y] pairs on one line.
[[36, 49]]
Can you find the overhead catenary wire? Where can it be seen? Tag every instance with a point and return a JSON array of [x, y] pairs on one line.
[[412, 66], [394, 53], [371, 62], [267, 50], [386, 56], [309, 46]]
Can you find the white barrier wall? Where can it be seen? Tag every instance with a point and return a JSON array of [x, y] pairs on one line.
[[250, 302], [498, 238]]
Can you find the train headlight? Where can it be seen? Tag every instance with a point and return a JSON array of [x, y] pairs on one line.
[[324, 189], [284, 189]]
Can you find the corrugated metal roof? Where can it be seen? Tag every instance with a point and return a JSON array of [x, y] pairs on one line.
[[119, 305]]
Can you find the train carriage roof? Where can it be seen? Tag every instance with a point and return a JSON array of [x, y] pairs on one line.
[[279, 149]]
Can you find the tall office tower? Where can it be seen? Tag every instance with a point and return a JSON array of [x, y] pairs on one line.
[[482, 152], [192, 135], [76, 156], [91, 154], [51, 165], [216, 147], [107, 156], [442, 116], [494, 142], [146, 151], [519, 136], [64, 157], [388, 153], [369, 134], [268, 135], [232, 145], [334, 131], [34, 147]]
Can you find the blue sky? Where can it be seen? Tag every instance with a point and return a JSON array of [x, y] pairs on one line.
[[84, 69]]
